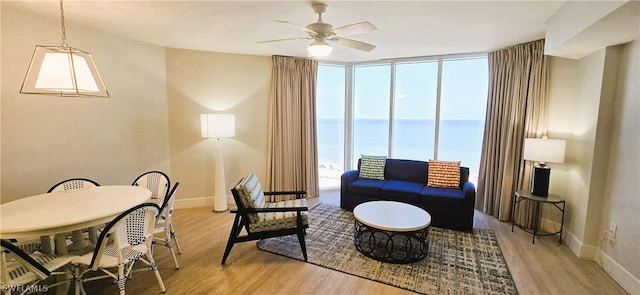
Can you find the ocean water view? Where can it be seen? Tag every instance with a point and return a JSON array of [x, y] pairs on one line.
[[458, 140]]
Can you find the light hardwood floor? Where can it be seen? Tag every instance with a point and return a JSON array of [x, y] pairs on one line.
[[543, 268]]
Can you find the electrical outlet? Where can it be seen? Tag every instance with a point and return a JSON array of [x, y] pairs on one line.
[[611, 232]]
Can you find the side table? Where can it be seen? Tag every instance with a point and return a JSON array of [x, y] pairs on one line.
[[554, 200]]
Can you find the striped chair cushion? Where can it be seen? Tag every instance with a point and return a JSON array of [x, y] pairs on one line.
[[251, 195], [372, 167], [20, 275], [279, 220], [443, 174]]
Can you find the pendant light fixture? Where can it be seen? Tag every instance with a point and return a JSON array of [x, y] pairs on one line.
[[63, 71]]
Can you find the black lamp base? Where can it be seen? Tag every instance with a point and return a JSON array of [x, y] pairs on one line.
[[540, 182]]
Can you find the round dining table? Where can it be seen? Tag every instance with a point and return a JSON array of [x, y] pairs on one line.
[[60, 212], [67, 211]]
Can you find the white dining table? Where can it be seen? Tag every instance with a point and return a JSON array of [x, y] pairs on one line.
[[62, 212]]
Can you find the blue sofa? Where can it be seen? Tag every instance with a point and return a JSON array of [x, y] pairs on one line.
[[405, 181]]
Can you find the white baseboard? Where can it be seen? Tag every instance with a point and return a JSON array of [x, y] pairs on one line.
[[194, 202], [621, 275], [201, 202], [576, 245], [595, 253]]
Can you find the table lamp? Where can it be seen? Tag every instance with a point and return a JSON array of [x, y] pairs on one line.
[[543, 150], [218, 126]]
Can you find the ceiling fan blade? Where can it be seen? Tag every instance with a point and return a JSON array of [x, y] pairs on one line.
[[353, 44], [354, 29], [310, 32], [285, 39]]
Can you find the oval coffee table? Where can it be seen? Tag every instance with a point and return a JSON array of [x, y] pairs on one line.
[[392, 232]]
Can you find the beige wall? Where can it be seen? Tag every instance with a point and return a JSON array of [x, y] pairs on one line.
[[206, 82], [111, 140], [621, 198], [594, 105]]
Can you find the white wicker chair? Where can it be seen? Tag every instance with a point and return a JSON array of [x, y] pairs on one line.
[[20, 272], [123, 241], [157, 182], [73, 184], [164, 225]]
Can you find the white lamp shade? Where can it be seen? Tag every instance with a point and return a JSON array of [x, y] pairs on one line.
[[217, 125], [63, 71], [544, 150]]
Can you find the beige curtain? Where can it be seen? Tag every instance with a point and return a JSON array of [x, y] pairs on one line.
[[292, 148], [516, 109]]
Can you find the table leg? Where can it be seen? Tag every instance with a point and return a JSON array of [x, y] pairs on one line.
[[513, 210], [562, 221], [61, 249], [536, 221], [45, 241]]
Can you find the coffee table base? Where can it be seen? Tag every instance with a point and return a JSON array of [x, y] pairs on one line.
[[391, 246]]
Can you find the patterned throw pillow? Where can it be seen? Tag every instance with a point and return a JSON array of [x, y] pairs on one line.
[[372, 167], [444, 174]]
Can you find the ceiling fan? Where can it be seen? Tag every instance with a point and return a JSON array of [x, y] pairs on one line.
[[323, 33]]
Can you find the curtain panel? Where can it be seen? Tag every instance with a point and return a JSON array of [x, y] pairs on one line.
[[292, 149], [516, 109]]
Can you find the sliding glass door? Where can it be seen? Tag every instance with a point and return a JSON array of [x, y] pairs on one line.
[[371, 88], [330, 104], [414, 110]]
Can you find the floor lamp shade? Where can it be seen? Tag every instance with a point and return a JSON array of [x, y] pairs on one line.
[[218, 126], [543, 150]]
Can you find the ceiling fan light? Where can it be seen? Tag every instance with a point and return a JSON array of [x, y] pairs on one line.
[[319, 49]]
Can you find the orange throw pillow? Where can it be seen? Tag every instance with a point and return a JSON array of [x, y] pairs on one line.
[[443, 174]]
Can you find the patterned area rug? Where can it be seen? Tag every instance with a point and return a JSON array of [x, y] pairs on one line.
[[457, 262]]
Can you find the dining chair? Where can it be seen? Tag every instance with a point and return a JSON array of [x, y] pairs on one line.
[[164, 225], [261, 220], [157, 182], [20, 272], [73, 184], [124, 241], [76, 184]]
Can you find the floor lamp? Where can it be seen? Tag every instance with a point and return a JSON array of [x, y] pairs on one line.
[[543, 150], [218, 126]]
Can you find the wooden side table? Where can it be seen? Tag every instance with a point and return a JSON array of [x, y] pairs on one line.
[[554, 200]]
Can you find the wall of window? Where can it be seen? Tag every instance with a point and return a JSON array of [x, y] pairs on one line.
[[419, 109], [330, 116]]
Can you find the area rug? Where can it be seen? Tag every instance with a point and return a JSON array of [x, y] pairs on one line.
[[457, 262]]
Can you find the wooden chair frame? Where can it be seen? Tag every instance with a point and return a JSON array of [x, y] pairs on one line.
[[242, 220]]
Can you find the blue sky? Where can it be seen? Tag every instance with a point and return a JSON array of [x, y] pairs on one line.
[[464, 90]]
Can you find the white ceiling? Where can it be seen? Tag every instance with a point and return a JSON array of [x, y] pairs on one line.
[[405, 28]]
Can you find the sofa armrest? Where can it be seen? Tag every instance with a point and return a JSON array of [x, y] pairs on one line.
[[345, 179], [349, 176], [469, 190]]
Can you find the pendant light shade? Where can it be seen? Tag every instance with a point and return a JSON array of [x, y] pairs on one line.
[[63, 71]]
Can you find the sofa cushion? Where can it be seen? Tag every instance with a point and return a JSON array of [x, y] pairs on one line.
[[404, 191], [445, 174], [366, 187], [442, 197], [372, 167]]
